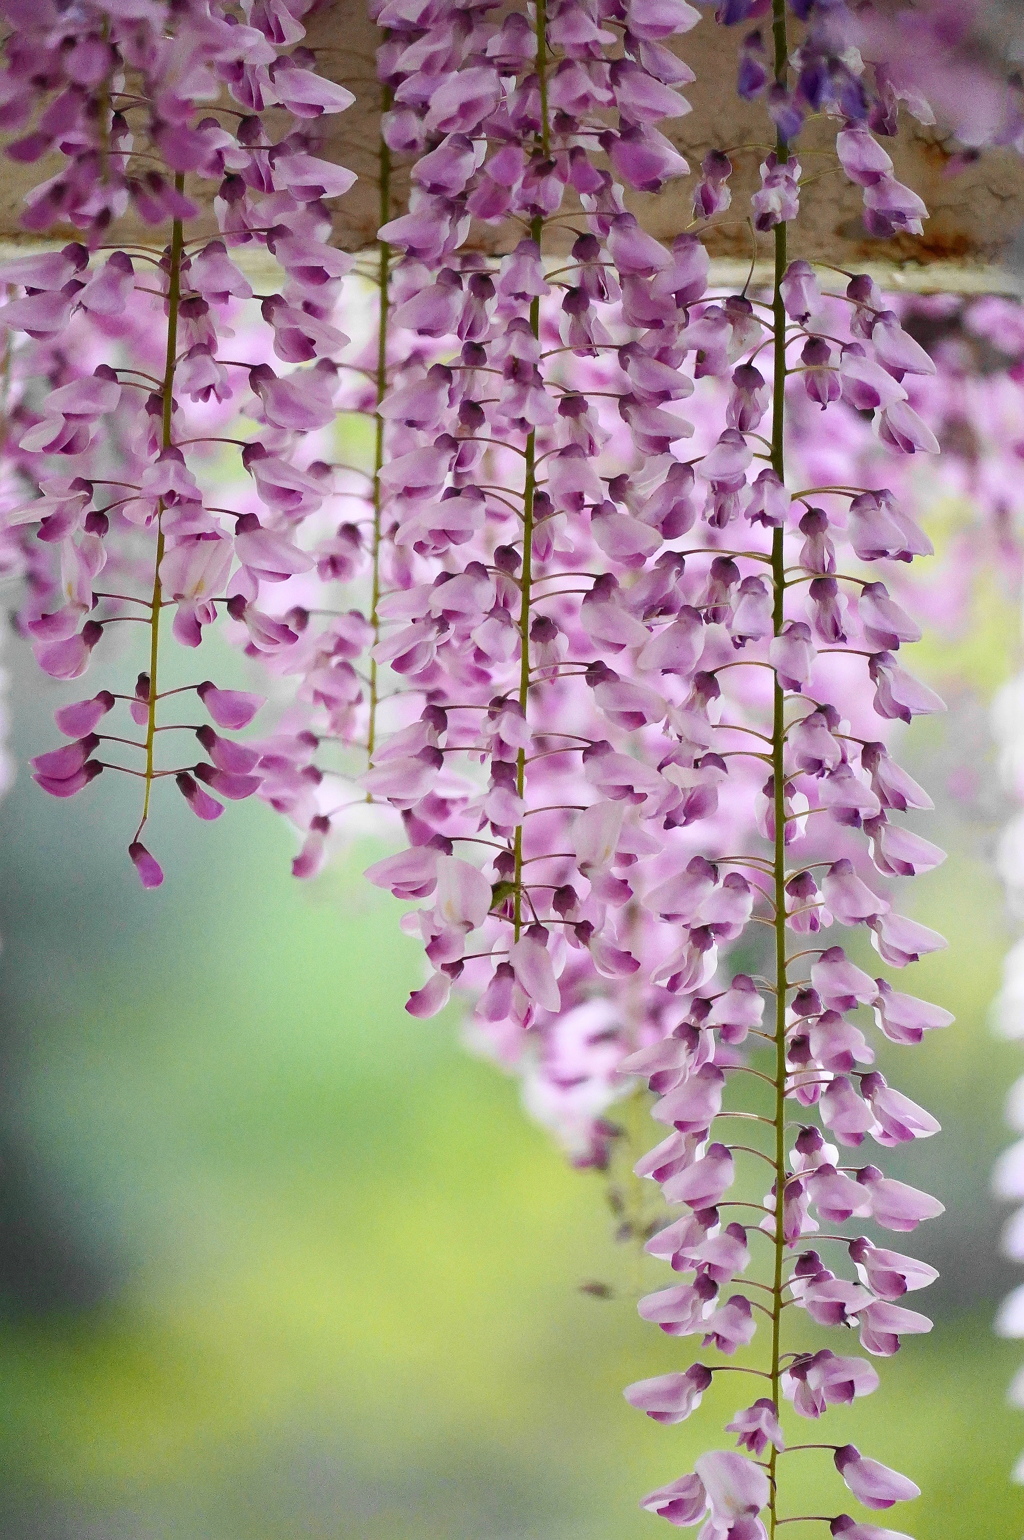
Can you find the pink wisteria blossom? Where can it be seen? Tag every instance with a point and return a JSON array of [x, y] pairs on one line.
[[130, 345]]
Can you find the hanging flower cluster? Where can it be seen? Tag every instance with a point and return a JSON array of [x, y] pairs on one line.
[[647, 684], [953, 63], [627, 676], [146, 104]]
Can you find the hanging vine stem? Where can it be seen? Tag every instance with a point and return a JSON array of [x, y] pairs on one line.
[[381, 384], [778, 462], [167, 413], [529, 493]]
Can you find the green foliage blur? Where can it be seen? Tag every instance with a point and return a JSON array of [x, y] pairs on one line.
[[278, 1261]]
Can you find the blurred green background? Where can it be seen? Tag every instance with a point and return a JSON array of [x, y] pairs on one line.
[[277, 1260]]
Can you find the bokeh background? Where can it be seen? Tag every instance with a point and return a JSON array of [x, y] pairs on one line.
[[278, 1261]]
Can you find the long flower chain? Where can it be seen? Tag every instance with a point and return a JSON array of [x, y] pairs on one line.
[[123, 458], [565, 845]]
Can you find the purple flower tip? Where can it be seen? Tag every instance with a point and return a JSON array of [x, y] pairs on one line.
[[148, 867], [232, 709]]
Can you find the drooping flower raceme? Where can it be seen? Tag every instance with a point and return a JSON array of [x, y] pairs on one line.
[[649, 683], [128, 341]]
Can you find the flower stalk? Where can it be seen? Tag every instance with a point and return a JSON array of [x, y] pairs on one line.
[[381, 387], [175, 253], [529, 494], [778, 754]]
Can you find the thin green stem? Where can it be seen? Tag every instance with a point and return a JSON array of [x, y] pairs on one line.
[[166, 423], [525, 601], [542, 72], [529, 500], [383, 286], [778, 461]]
